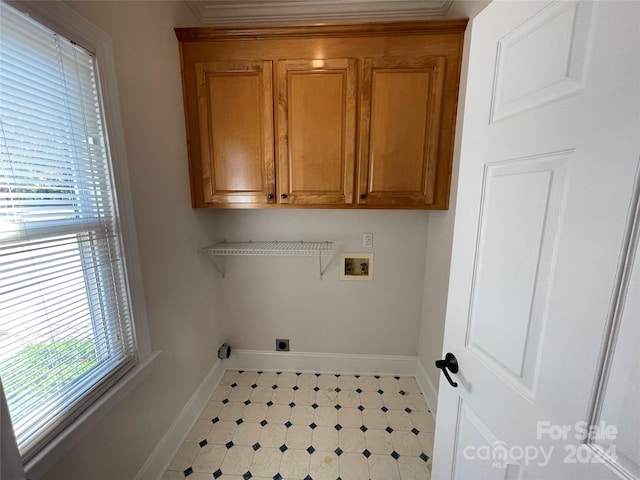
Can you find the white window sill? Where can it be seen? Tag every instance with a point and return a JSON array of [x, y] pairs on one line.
[[63, 443]]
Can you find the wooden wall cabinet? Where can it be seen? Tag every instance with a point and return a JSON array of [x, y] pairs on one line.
[[342, 116], [235, 131], [400, 127], [316, 131]]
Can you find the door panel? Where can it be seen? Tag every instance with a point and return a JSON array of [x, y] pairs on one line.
[[236, 131], [520, 215], [480, 462], [400, 120], [392, 95], [316, 128], [316, 121], [549, 159], [559, 36], [234, 106]]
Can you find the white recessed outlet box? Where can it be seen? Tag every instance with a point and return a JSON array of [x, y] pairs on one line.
[[356, 266]]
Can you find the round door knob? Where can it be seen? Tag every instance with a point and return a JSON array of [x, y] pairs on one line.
[[363, 196], [270, 196], [283, 196]]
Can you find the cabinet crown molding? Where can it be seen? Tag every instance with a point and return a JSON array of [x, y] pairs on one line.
[[245, 12], [200, 34]]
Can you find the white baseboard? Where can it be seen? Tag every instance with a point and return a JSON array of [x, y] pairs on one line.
[[429, 391], [322, 362], [162, 455]]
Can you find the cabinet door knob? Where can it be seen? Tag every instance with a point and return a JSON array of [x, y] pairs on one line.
[[283, 196], [363, 196], [270, 196]]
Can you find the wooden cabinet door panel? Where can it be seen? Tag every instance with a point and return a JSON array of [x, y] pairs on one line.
[[235, 118], [400, 130], [316, 131]]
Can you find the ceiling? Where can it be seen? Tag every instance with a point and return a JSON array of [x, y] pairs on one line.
[[274, 12]]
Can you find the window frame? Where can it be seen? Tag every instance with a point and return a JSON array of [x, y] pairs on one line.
[[67, 22]]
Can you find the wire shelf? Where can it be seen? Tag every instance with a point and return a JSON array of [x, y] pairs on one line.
[[272, 248]]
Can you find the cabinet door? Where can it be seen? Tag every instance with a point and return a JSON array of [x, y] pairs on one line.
[[235, 119], [316, 131], [400, 130]]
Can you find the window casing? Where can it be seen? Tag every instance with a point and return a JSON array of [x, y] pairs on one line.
[[66, 331]]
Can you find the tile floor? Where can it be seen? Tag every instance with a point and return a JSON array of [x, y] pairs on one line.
[[305, 426]]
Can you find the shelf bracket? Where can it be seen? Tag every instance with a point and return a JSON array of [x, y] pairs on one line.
[[220, 269], [323, 270]]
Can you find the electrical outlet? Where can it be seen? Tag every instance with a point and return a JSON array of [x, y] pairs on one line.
[[367, 240], [282, 344]]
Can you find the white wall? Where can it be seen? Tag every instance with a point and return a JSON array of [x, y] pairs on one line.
[[440, 230], [179, 284], [466, 8], [191, 309], [280, 297]]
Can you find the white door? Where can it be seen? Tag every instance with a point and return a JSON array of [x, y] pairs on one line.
[[544, 301]]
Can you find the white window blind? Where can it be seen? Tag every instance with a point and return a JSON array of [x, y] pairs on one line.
[[65, 321]]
